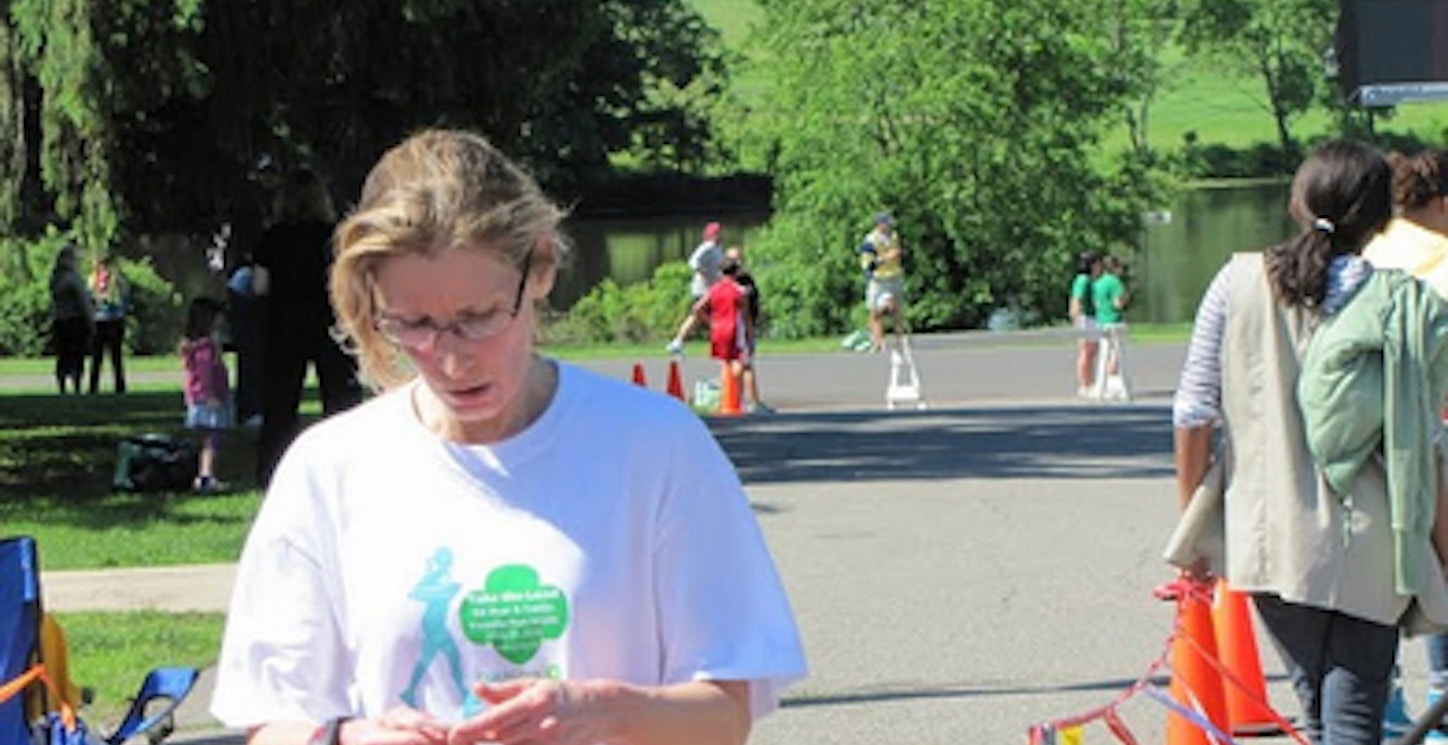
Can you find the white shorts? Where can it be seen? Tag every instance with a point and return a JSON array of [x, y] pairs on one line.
[[880, 292]]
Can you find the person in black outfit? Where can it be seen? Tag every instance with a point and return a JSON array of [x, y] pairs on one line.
[[293, 258], [72, 319], [244, 320]]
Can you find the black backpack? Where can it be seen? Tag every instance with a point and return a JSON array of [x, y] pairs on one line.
[[154, 462]]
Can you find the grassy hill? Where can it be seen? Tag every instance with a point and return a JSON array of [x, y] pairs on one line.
[[1220, 106]]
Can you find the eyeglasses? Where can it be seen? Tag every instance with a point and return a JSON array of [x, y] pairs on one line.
[[469, 326]]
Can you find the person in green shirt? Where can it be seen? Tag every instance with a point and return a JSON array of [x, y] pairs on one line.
[[1109, 292], [1083, 318], [1109, 297]]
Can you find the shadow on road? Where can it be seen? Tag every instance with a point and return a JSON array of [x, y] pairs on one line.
[[1037, 442], [867, 696], [948, 691]]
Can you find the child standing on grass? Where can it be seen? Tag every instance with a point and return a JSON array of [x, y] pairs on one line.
[[208, 393]]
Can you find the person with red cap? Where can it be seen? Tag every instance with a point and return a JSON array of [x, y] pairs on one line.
[[706, 262]]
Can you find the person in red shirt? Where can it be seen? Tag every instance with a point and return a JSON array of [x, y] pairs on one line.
[[727, 306]]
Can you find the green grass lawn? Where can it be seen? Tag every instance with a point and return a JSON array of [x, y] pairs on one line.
[[1223, 106], [57, 456]]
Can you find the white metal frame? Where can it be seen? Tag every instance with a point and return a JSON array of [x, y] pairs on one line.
[[904, 386], [1111, 345]]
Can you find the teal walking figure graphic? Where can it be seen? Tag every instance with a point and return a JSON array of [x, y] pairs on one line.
[[436, 591]]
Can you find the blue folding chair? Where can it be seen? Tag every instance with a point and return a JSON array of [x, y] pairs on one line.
[[19, 631], [151, 712], [27, 714]]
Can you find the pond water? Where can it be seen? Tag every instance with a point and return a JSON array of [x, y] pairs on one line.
[[1178, 257], [628, 250]]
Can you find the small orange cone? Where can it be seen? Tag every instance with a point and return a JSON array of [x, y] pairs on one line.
[[728, 391], [638, 375], [1195, 683], [676, 381], [1248, 711]]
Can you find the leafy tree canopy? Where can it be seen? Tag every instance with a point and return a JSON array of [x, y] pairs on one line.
[[1282, 43], [977, 122], [130, 116]]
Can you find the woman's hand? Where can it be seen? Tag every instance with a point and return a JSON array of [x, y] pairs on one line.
[[400, 726], [583, 712], [534, 710]]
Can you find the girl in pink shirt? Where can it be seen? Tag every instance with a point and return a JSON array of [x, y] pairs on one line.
[[208, 393]]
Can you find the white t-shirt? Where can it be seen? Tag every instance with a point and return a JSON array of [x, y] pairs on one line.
[[707, 261], [611, 539]]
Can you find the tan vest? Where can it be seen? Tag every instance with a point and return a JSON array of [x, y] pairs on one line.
[[1287, 532]]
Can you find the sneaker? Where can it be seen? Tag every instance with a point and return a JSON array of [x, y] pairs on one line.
[[1396, 721], [675, 348], [208, 485], [1168, 591], [758, 408]]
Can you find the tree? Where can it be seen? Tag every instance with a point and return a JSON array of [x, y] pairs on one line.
[[130, 116], [976, 121], [1142, 31], [1283, 43]]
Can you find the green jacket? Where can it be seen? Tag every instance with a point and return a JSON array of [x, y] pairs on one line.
[[1373, 381]]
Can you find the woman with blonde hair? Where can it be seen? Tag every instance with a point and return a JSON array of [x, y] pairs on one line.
[[1416, 241], [498, 547]]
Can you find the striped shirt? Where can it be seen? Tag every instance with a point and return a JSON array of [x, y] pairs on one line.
[[1198, 401]]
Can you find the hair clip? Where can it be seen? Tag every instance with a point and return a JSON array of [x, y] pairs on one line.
[[1325, 225]]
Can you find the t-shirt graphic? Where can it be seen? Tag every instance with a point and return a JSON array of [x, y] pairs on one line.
[[435, 591], [514, 613]]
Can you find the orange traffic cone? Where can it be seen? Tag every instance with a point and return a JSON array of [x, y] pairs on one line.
[[728, 391], [1248, 712], [1195, 683], [638, 375], [676, 381]]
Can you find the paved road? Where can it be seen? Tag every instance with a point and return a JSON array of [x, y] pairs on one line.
[[959, 572]]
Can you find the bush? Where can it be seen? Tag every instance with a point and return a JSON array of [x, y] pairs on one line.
[[25, 295], [155, 319], [24, 319], [156, 316], [646, 311]]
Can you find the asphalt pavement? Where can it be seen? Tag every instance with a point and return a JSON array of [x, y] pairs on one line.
[[959, 571]]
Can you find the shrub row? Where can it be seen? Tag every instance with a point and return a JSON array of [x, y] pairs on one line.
[[156, 313]]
